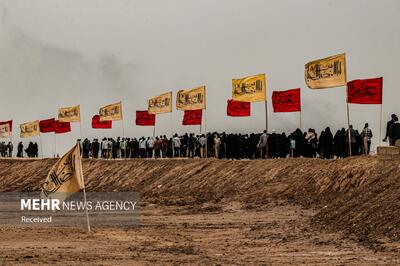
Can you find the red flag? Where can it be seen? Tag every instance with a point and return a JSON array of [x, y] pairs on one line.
[[286, 101], [7, 122], [47, 125], [96, 123], [192, 117], [143, 118], [236, 108], [365, 91], [62, 127]]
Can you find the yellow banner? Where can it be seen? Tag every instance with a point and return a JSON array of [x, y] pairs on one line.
[[249, 89], [65, 176], [160, 104], [5, 131], [30, 129], [69, 114], [326, 73], [111, 112], [191, 99]]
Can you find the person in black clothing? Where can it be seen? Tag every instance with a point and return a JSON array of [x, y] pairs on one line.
[[328, 143], [35, 150], [390, 130], [95, 148], [20, 150]]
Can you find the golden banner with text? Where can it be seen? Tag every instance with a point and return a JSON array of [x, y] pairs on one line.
[[326, 73], [192, 99], [30, 129], [111, 112], [160, 104], [5, 131], [69, 114], [65, 176], [249, 89]]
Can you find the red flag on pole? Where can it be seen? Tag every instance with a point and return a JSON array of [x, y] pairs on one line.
[[143, 118], [236, 108], [62, 127], [9, 122], [365, 91], [96, 123], [192, 117], [47, 125], [286, 101]]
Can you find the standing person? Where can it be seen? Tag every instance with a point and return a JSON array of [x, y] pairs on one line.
[[191, 145], [176, 141], [262, 144], [20, 150], [95, 148], [164, 146], [103, 147], [202, 145], [390, 130], [109, 148], [150, 147], [10, 147], [142, 147], [353, 141], [312, 143], [85, 148], [157, 147], [36, 150], [123, 148], [366, 136], [217, 145]]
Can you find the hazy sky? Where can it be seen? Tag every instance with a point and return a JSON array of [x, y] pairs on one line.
[[57, 53]]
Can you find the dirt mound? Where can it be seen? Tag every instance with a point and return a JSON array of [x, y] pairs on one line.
[[356, 194]]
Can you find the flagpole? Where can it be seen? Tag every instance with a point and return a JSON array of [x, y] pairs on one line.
[[55, 145], [11, 135], [154, 130], [80, 128], [41, 145], [84, 190], [266, 128], [348, 126], [172, 138], [301, 126]]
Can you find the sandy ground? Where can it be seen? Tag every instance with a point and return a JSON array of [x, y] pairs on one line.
[[208, 235]]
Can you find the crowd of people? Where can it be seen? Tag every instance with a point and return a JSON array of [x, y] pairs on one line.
[[327, 145], [235, 146]]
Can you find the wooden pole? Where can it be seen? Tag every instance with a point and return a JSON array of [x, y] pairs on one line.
[[205, 130], [266, 128], [41, 145], [380, 123], [84, 190], [55, 145]]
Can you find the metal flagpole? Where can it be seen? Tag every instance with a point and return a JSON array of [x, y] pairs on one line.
[[301, 126], [348, 126], [80, 129], [154, 130], [172, 138], [84, 190]]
